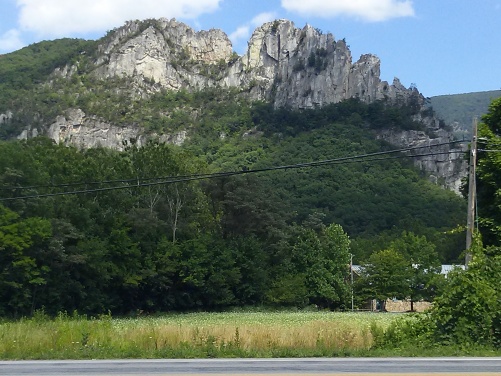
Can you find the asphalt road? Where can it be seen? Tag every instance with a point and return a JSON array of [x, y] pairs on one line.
[[310, 366]]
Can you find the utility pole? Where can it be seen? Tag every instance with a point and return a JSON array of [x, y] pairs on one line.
[[472, 192], [351, 276]]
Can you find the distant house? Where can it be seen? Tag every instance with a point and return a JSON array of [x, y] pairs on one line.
[[359, 269], [447, 268]]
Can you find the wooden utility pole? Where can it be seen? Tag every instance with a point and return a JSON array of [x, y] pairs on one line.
[[351, 277], [472, 192]]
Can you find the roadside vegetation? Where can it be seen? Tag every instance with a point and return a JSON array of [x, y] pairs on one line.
[[193, 335], [245, 334]]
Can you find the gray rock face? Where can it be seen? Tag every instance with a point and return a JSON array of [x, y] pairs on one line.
[[304, 68], [300, 68], [163, 54], [447, 167], [75, 128]]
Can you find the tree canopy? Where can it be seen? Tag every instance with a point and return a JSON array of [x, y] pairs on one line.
[[135, 238]]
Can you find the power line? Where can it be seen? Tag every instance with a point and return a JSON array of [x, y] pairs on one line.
[[137, 179], [132, 180], [227, 174], [377, 156]]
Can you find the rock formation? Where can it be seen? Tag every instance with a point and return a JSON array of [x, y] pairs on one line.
[[299, 68], [287, 66], [76, 128], [304, 68], [446, 167], [167, 52]]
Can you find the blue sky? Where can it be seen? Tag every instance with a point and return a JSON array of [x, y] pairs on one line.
[[441, 46]]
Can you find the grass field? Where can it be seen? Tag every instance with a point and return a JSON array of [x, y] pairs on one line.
[[193, 335]]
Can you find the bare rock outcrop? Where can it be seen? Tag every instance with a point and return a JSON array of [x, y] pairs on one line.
[[305, 68], [299, 68], [442, 159], [77, 129], [166, 52]]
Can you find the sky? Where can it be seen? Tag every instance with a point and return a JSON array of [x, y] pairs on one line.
[[440, 46]]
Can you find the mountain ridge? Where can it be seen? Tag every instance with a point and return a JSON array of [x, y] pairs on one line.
[[284, 65], [289, 66], [459, 110]]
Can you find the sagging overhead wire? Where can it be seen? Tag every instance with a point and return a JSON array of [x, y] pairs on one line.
[[138, 180], [148, 182]]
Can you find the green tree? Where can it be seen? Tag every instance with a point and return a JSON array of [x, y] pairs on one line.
[[386, 275], [335, 247], [316, 268], [468, 312], [174, 201], [22, 269], [253, 262], [246, 206], [426, 266], [489, 176], [207, 274]]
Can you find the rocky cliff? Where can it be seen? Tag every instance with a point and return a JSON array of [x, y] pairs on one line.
[[300, 68], [74, 127], [285, 65], [447, 167], [165, 52], [304, 68]]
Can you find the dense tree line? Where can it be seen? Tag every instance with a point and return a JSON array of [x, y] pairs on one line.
[[171, 246], [277, 238]]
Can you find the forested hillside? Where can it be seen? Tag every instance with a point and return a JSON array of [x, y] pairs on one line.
[[143, 232], [258, 206]]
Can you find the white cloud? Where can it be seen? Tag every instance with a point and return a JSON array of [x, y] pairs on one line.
[[56, 18], [369, 10], [243, 31], [11, 40], [262, 18]]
